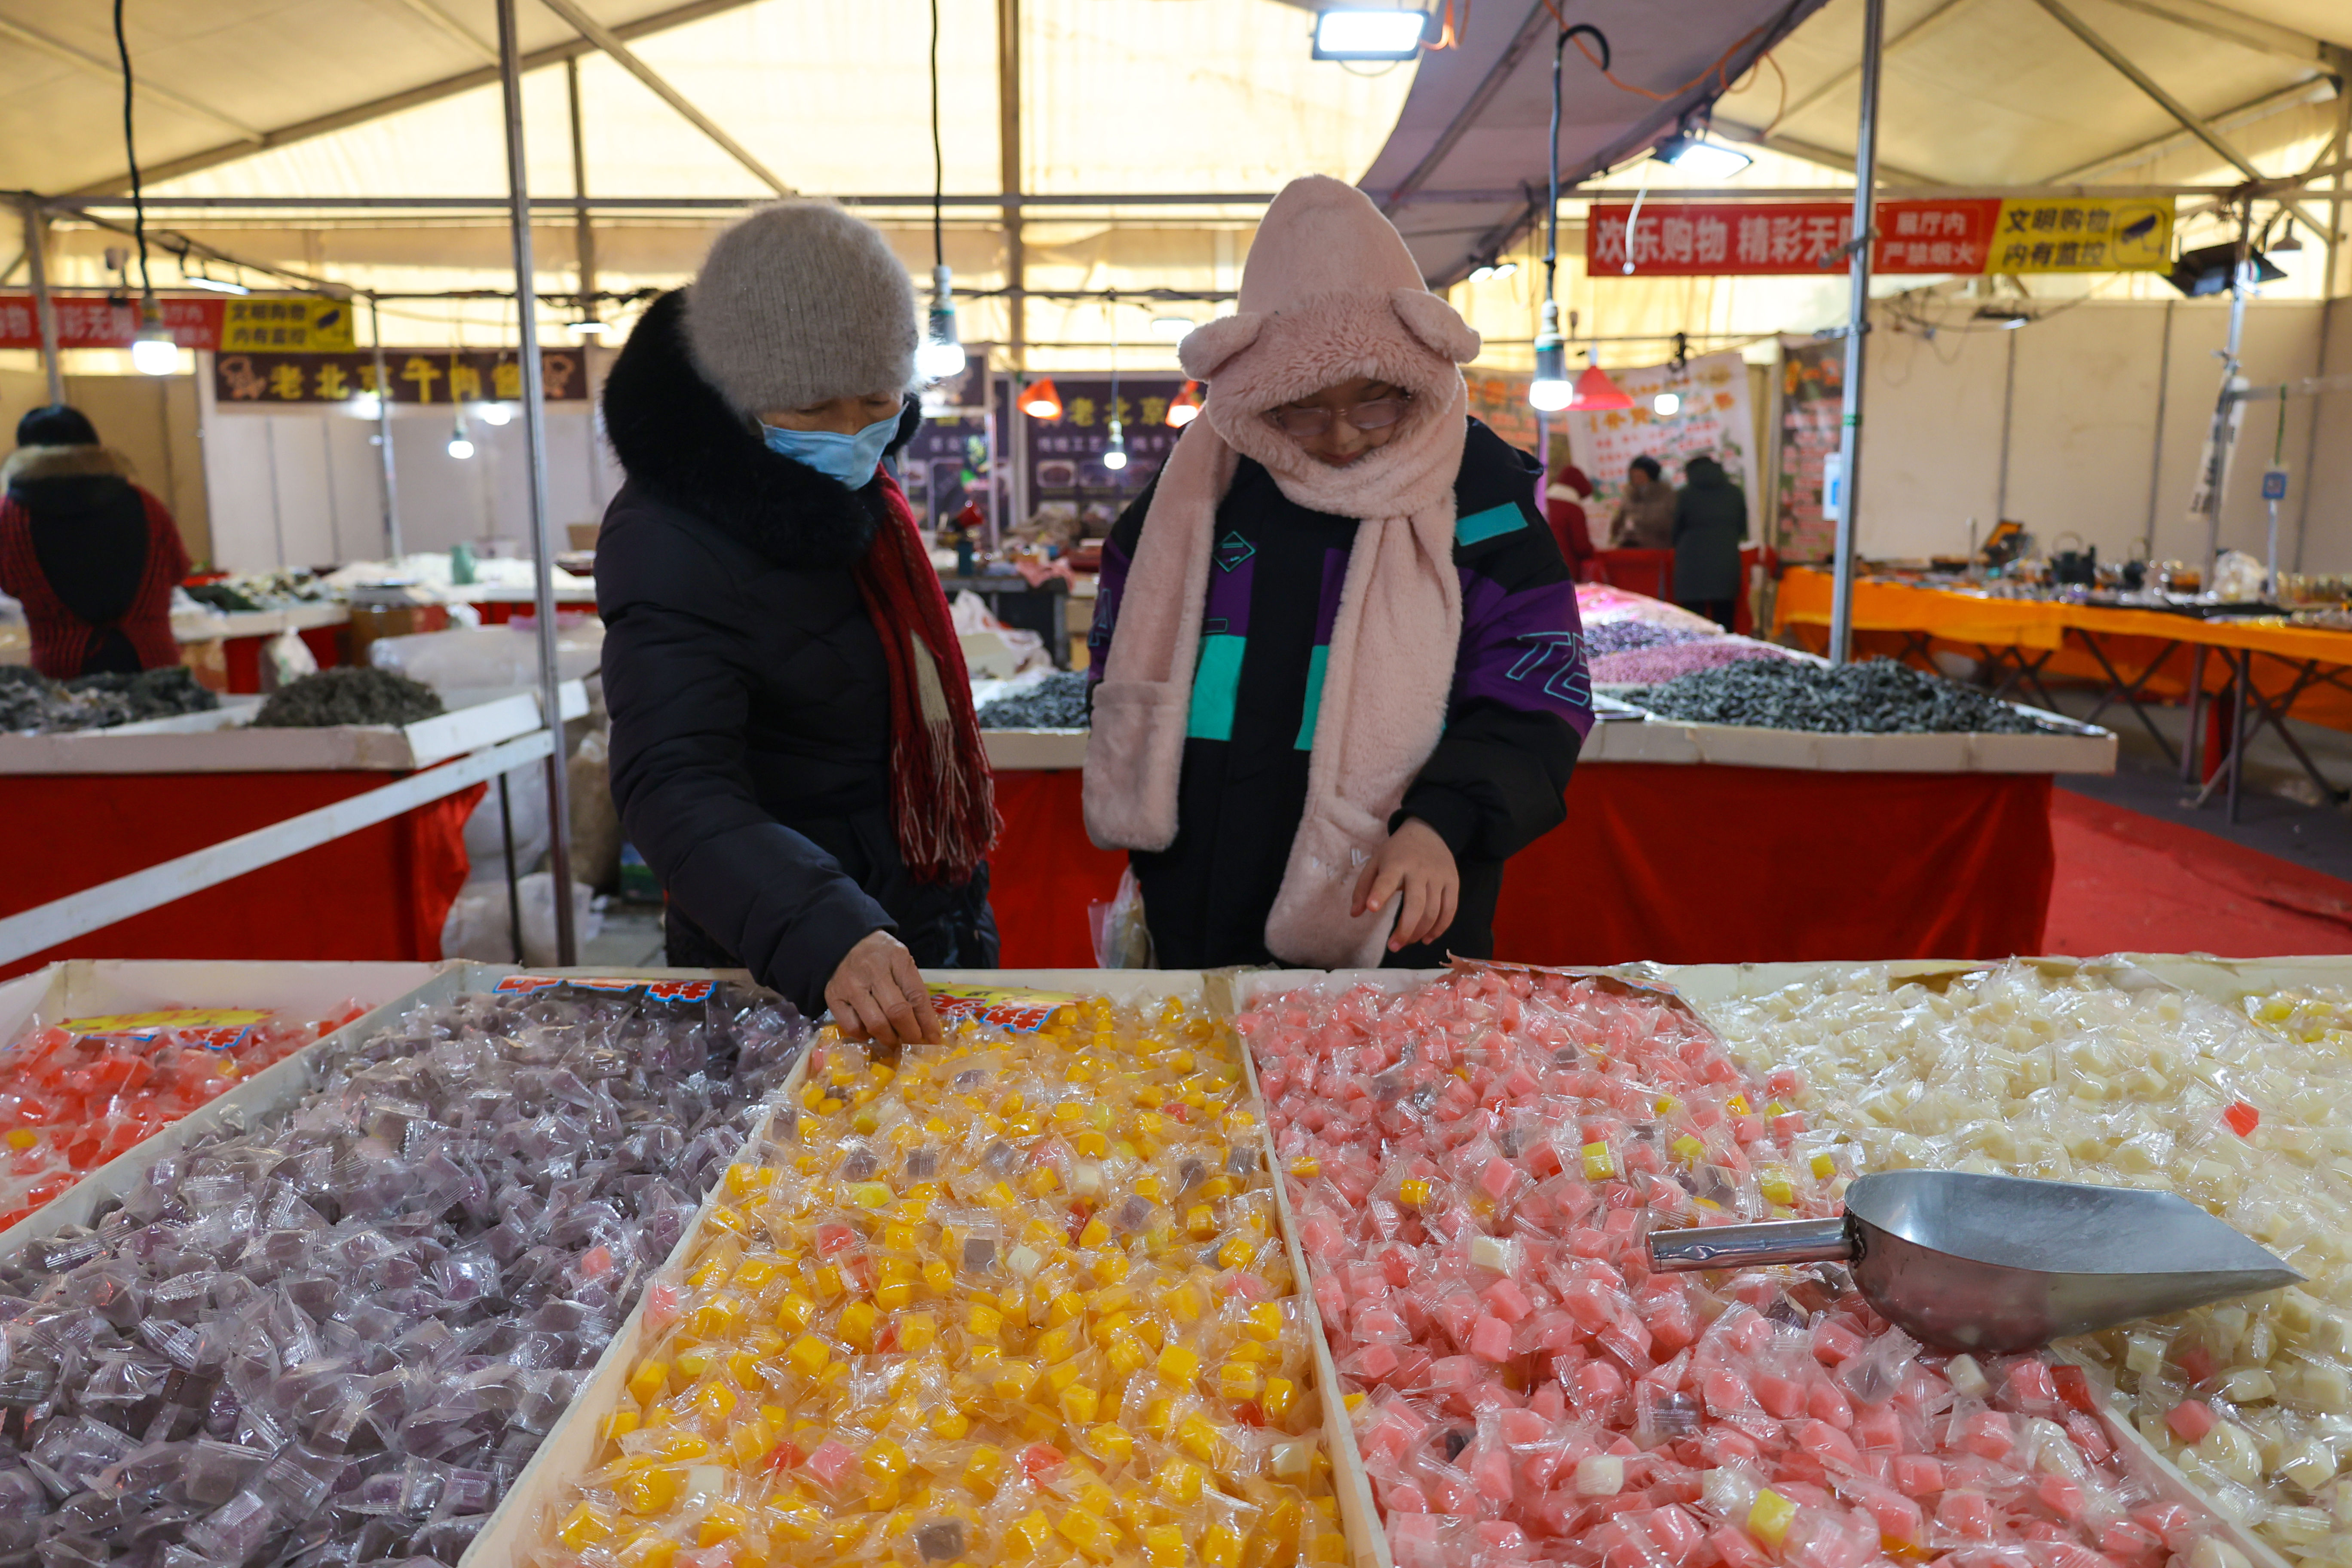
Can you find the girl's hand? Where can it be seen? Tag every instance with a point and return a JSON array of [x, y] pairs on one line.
[[1416, 862]]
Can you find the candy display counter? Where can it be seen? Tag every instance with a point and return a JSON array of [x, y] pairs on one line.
[[605, 1270]]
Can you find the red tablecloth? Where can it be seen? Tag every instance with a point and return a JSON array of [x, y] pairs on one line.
[[380, 893], [1681, 865]]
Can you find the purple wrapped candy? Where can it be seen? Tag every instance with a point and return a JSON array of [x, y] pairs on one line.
[[336, 1338], [1625, 636]]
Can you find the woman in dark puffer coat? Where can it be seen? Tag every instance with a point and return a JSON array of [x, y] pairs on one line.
[[794, 746]]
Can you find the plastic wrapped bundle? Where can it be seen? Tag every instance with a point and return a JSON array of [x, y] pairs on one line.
[[1625, 636], [1021, 1300], [71, 1100], [337, 1337], [1474, 1165], [2107, 1076]]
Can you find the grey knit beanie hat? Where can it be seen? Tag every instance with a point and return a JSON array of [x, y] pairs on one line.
[[800, 303]]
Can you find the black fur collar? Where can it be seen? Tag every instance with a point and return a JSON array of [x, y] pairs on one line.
[[678, 438]]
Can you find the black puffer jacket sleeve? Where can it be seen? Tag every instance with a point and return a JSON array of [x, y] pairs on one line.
[[679, 701]]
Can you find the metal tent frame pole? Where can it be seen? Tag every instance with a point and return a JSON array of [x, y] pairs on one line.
[[1857, 333], [534, 430], [37, 262], [392, 542]]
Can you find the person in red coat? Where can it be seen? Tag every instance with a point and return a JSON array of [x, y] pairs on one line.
[[92, 557], [1569, 488]]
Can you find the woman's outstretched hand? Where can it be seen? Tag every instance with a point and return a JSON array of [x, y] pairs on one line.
[[1416, 864], [877, 994]]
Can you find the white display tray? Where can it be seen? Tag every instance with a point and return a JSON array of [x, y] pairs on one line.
[[220, 740], [206, 625], [1629, 736]]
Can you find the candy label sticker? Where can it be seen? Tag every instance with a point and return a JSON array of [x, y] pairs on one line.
[[608, 984], [1021, 1011], [167, 1018]]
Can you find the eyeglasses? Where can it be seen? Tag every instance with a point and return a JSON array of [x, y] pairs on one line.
[[1378, 414]]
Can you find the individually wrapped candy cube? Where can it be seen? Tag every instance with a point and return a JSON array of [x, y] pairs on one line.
[[337, 1335], [1067, 1331], [1514, 1363], [2103, 1075]]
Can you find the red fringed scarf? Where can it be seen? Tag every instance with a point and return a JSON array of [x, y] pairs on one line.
[[943, 795]]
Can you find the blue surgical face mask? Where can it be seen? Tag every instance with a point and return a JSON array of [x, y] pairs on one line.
[[852, 460]]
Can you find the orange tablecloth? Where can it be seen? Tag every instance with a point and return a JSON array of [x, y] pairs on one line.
[[2133, 641]]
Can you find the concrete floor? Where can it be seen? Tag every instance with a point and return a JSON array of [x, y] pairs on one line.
[[632, 938]]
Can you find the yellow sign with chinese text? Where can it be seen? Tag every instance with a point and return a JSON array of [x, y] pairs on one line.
[[2082, 234], [287, 325]]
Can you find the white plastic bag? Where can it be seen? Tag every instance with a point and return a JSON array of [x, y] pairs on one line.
[[1121, 939], [486, 842], [285, 659], [478, 925]]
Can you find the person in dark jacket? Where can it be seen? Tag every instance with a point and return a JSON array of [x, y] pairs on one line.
[[794, 750], [1710, 525], [92, 557], [1341, 676]]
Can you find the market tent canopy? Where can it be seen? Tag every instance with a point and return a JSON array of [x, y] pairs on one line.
[[1975, 92]]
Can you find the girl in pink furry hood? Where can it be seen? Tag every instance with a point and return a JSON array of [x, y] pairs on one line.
[[1339, 678]]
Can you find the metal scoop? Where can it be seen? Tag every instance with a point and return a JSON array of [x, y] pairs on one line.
[[1998, 1263]]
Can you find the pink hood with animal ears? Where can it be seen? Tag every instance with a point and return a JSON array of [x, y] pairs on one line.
[[1329, 293]]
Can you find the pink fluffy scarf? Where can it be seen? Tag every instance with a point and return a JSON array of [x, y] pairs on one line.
[[1391, 668]]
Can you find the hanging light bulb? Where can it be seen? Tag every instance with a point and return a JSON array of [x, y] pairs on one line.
[[941, 354], [1549, 391], [1666, 404], [366, 405], [496, 413], [1187, 406], [461, 445], [153, 349], [1115, 455], [1039, 400]]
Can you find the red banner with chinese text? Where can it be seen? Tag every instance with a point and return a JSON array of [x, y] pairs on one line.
[[1680, 239], [99, 323]]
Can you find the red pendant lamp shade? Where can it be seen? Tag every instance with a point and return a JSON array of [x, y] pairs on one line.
[[1039, 400], [1186, 407], [1595, 391]]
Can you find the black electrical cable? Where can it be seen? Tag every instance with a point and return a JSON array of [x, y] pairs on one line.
[[131, 152], [938, 162], [1551, 213]]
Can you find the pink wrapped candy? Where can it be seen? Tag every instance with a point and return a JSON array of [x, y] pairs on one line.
[[1474, 1166]]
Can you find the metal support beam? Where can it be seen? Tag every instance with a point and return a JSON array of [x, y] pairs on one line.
[[1857, 333], [408, 98], [37, 244], [2235, 27], [604, 39], [392, 542], [2251, 112], [99, 66], [1009, 175], [584, 231], [534, 431], [2189, 118]]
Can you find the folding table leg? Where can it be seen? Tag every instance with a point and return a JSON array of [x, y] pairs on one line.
[[2192, 748], [2127, 693]]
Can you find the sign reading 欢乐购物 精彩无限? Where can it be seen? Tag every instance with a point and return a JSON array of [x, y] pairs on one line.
[[415, 376], [1957, 234]]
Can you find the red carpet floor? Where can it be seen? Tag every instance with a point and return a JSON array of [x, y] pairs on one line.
[[2128, 882]]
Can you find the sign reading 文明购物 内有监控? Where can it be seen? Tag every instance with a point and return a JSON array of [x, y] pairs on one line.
[[1959, 235]]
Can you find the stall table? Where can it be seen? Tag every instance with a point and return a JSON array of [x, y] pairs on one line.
[[1684, 843], [2255, 670], [105, 803]]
